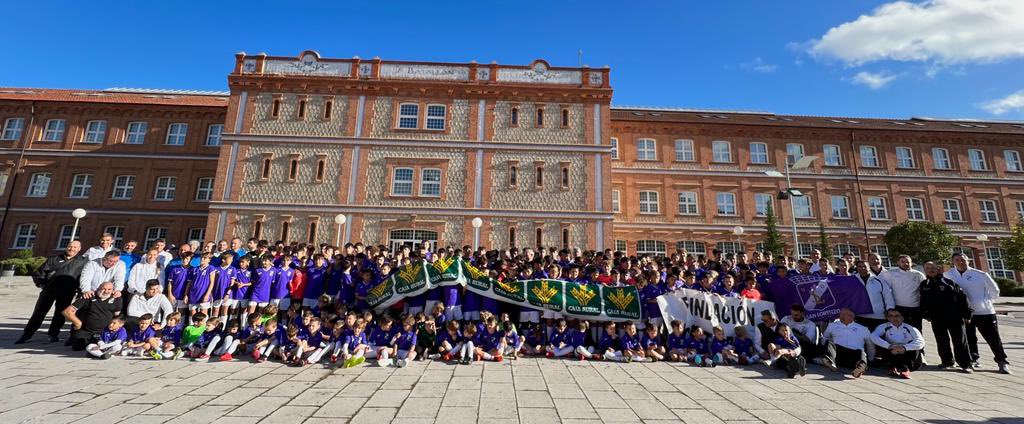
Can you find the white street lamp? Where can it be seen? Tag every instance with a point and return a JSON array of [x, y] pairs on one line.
[[340, 220], [78, 214], [477, 223], [738, 232], [983, 238], [791, 192]]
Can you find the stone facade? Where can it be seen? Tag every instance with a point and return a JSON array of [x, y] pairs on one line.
[[551, 195], [383, 125], [278, 188], [272, 223], [287, 122], [527, 130], [378, 180], [526, 233]]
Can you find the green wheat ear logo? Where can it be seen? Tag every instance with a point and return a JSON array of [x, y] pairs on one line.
[[545, 292], [379, 289], [511, 288], [582, 294], [410, 272], [620, 298], [473, 271], [442, 264]]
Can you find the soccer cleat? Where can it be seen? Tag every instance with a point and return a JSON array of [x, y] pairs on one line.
[[401, 363], [905, 374], [498, 358], [347, 363], [710, 363], [384, 363], [178, 353], [204, 356], [155, 355], [433, 356], [447, 356], [226, 357], [698, 360], [357, 361], [256, 354], [859, 369], [967, 370], [550, 354]]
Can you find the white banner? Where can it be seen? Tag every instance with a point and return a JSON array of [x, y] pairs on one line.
[[693, 307]]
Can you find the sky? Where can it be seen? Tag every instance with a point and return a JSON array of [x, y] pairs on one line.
[[932, 58]]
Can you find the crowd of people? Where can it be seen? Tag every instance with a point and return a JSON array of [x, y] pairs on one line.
[[306, 304]]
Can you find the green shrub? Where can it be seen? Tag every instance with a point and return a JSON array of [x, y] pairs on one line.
[[1009, 288], [23, 262]]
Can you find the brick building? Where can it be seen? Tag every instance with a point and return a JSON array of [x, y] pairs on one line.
[[408, 151]]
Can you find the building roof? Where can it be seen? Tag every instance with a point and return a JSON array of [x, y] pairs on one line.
[[119, 96], [710, 116]]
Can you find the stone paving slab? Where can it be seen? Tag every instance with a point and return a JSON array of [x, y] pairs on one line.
[[46, 383]]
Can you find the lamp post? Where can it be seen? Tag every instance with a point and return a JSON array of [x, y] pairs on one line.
[[477, 223], [790, 193], [983, 238], [78, 214], [738, 231], [340, 220]]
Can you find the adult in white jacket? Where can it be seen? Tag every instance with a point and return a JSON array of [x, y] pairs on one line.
[[879, 292], [148, 268], [109, 268], [981, 290], [899, 344], [906, 289]]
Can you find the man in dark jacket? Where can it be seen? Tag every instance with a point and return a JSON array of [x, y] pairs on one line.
[[944, 303], [58, 280]]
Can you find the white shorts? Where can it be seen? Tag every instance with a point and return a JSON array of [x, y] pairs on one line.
[[194, 306], [471, 316], [258, 305], [310, 303], [453, 312], [232, 303], [529, 316], [218, 303], [413, 310], [429, 305], [180, 304], [551, 315]]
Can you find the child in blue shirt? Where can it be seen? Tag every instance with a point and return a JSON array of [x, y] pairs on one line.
[[249, 335], [785, 352], [608, 344], [380, 341], [558, 342], [110, 341], [490, 342], [720, 347], [355, 346], [743, 346], [534, 343], [404, 342], [268, 342], [142, 340], [207, 341], [449, 341], [170, 337], [513, 343], [468, 350], [697, 348], [630, 343], [651, 342], [578, 341]]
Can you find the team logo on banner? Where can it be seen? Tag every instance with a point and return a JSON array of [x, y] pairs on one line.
[[410, 279], [625, 300], [443, 270], [582, 300], [545, 294], [513, 291], [476, 278], [380, 293]]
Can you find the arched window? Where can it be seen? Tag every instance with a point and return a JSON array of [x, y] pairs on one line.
[[302, 109], [540, 117], [275, 110], [565, 117], [514, 117]]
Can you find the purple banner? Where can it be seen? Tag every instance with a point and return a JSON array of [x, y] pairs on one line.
[[823, 297]]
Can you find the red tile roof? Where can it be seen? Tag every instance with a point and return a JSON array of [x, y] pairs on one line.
[[118, 95]]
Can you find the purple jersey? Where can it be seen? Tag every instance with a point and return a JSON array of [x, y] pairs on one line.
[[647, 294], [199, 283], [559, 337], [576, 338], [608, 342], [381, 337], [445, 336], [108, 336], [406, 340], [172, 334], [743, 346], [241, 292], [141, 335], [263, 279], [676, 342], [315, 278], [718, 345], [488, 341], [630, 342], [279, 289], [649, 342], [698, 345], [177, 277], [225, 277], [250, 333], [353, 340]]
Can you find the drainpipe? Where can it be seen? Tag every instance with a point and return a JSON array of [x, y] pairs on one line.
[[860, 195]]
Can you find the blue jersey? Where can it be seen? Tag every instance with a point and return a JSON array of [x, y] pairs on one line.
[[225, 278], [558, 338], [315, 279], [199, 283], [743, 346], [381, 337], [406, 340], [718, 345], [511, 338], [698, 345], [783, 343], [676, 342], [262, 280], [630, 342], [172, 334], [241, 291], [279, 289], [207, 337], [488, 341], [533, 339], [608, 342], [250, 333], [108, 336], [141, 335], [445, 336], [177, 277], [354, 340], [577, 338], [649, 342]]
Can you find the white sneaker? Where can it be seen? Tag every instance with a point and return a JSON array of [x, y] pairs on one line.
[[384, 362], [433, 356], [1005, 368], [402, 363]]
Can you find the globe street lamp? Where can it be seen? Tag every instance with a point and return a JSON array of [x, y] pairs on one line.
[[477, 223], [738, 231], [340, 220], [790, 193], [78, 214], [983, 238]]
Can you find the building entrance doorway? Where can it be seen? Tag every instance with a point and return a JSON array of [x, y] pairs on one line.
[[412, 238]]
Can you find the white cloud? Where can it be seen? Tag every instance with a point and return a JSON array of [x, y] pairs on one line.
[[1010, 103], [935, 31], [759, 65], [874, 80]]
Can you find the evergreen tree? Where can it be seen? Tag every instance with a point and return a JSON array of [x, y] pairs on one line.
[[823, 245], [772, 239], [923, 241]]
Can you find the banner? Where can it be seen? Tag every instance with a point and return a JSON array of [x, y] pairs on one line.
[[694, 307], [600, 303], [823, 297]]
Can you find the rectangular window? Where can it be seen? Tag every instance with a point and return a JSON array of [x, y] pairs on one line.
[[436, 117], [293, 168], [904, 157], [883, 253], [275, 109], [688, 203], [840, 207], [1020, 209], [136, 133], [726, 203], [176, 134], [721, 152], [301, 112], [213, 134], [940, 158], [124, 187], [729, 247], [39, 185], [645, 149], [66, 235], [430, 182], [95, 132], [620, 246], [997, 265], [877, 209], [81, 186], [565, 177], [915, 209], [321, 169], [117, 232], [153, 234], [24, 236], [513, 174], [616, 201], [951, 210], [869, 157], [268, 161], [802, 207], [759, 153], [977, 158], [165, 187], [328, 109], [649, 202], [832, 156], [539, 176], [204, 189], [13, 128], [615, 148], [1012, 158], [840, 250], [690, 246], [401, 183], [198, 233], [684, 151], [794, 152], [989, 211], [513, 117], [761, 203], [650, 247], [54, 130], [408, 116], [540, 117], [286, 228], [512, 236]]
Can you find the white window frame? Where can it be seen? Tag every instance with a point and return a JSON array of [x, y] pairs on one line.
[[794, 152], [165, 188], [759, 153], [725, 204], [135, 133], [977, 159], [729, 247], [117, 232], [646, 149], [39, 184], [883, 253], [432, 119], [952, 211], [905, 158], [718, 155], [1020, 209], [54, 130], [25, 236], [877, 210], [126, 186], [649, 204], [426, 184], [204, 189], [408, 121], [840, 207], [840, 250], [176, 134], [869, 157], [403, 183], [620, 246], [81, 186], [13, 128], [213, 134], [650, 247], [197, 233], [692, 247], [799, 207], [941, 159], [1013, 163], [684, 150], [688, 204], [65, 236], [616, 201], [988, 211], [915, 209], [153, 234], [95, 132], [994, 256], [615, 148], [761, 202], [833, 155]]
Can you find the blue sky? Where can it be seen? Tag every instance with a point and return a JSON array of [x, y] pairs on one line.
[[839, 58]]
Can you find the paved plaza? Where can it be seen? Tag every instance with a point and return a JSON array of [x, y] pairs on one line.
[[47, 383]]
